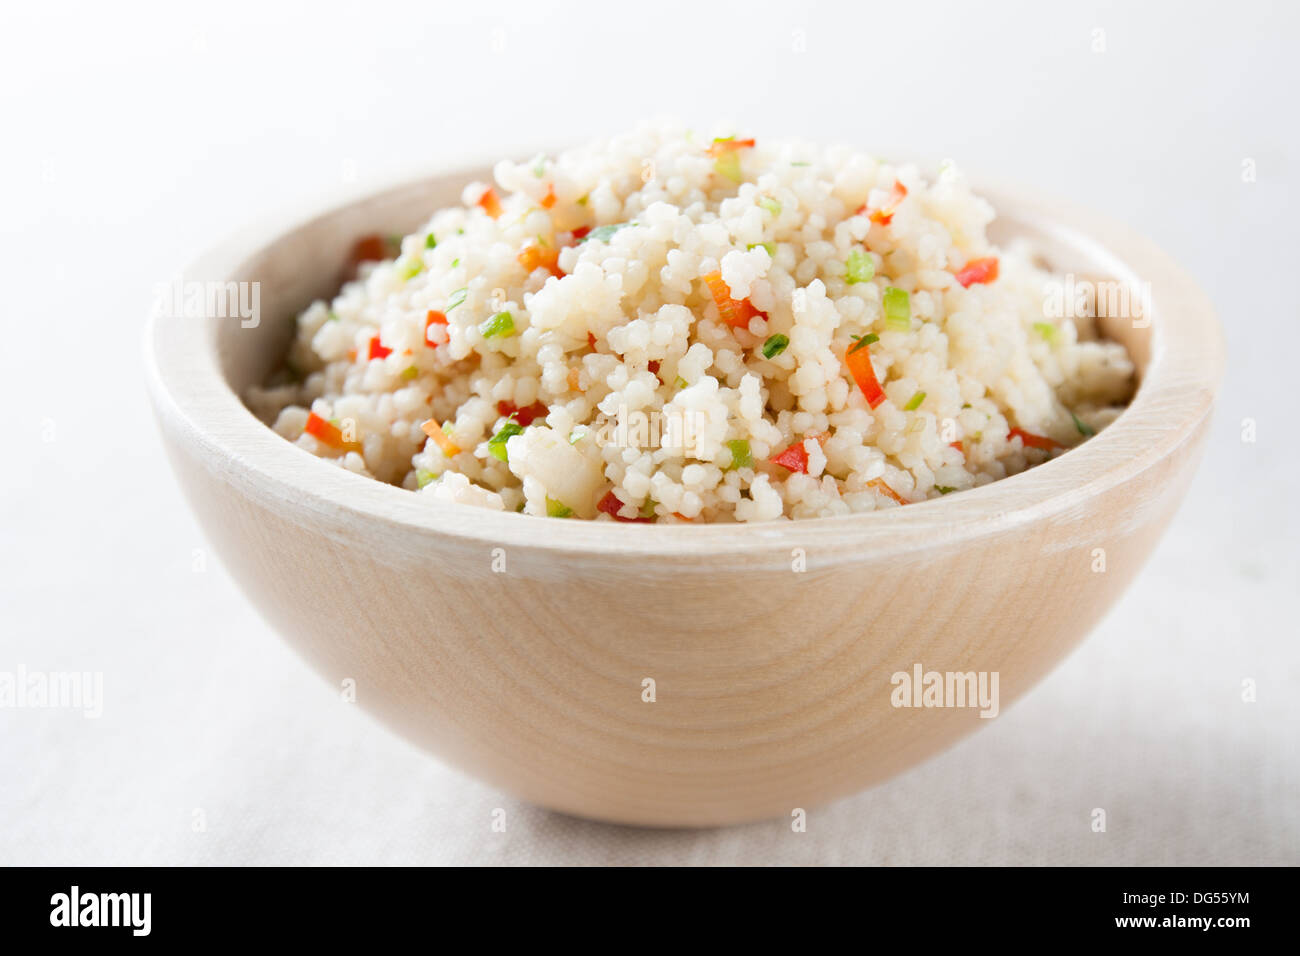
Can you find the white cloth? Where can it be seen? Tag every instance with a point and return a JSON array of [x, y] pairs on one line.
[[125, 159]]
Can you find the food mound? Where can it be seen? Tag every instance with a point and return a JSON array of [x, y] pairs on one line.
[[667, 327]]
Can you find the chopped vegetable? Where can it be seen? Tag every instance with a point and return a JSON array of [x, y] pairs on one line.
[[581, 233], [423, 477], [944, 489], [549, 199], [858, 360], [794, 458], [957, 445], [1083, 428], [898, 309], [1047, 330], [1030, 440], [775, 345], [728, 144], [497, 443], [735, 313], [430, 241], [726, 159], [376, 350], [540, 255], [410, 373], [741, 456], [433, 318], [885, 213], [768, 247], [862, 341], [603, 233], [457, 298], [680, 383], [524, 416], [557, 509], [771, 205], [728, 164], [978, 271], [440, 437], [860, 267], [591, 340], [611, 504], [490, 203], [501, 325], [647, 510], [884, 489], [328, 433], [412, 269], [372, 248], [914, 402]]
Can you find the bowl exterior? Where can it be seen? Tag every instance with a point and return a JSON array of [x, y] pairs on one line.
[[666, 691]]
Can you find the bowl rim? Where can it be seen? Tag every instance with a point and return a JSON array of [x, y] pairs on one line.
[[193, 400]]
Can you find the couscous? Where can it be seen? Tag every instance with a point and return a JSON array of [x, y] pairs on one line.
[[675, 327]]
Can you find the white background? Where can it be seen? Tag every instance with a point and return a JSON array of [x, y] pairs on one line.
[[135, 137]]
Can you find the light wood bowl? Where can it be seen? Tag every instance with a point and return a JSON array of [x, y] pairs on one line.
[[772, 687]]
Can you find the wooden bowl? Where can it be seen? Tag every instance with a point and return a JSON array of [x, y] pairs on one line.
[[520, 649]]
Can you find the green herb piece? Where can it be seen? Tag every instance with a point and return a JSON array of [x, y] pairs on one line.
[[332, 316], [409, 373], [801, 164], [1084, 429], [944, 490], [457, 299], [771, 205], [647, 510], [770, 247], [455, 262], [582, 200], [501, 325], [741, 457], [775, 345], [603, 233], [728, 164], [497, 443], [914, 402], [412, 269], [539, 167], [423, 476], [1047, 330], [430, 241], [898, 310], [557, 509], [679, 382], [862, 341], [860, 267]]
